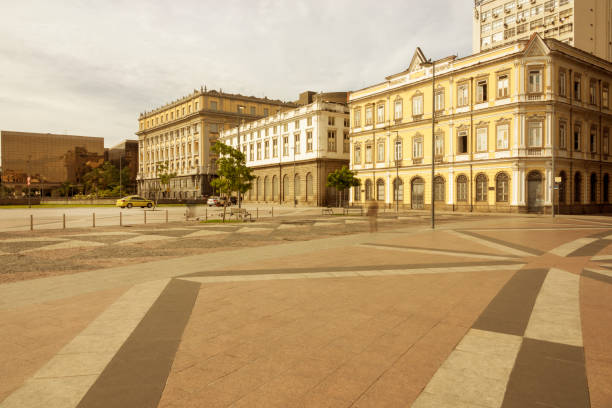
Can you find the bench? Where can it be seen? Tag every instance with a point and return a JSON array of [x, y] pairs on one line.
[[240, 213], [327, 211], [357, 209]]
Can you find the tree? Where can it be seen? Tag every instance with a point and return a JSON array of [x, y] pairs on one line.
[[64, 189], [164, 179], [341, 179], [234, 175]]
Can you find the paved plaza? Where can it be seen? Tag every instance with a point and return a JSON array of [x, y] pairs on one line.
[[310, 311]]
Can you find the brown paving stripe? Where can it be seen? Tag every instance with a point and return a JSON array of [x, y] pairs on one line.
[[348, 268], [547, 374], [529, 250], [441, 251], [510, 309], [591, 249], [602, 234], [137, 375], [597, 276]]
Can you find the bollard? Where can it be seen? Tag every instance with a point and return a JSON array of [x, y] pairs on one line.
[[31, 222], [206, 214], [145, 216], [272, 211], [93, 220], [120, 219], [166, 216], [63, 221], [257, 213]]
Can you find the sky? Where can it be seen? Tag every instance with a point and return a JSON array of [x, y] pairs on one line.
[[91, 67]]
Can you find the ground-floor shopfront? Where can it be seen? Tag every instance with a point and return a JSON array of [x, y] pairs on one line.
[[504, 186]]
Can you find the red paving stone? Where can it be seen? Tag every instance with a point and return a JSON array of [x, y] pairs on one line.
[[323, 342], [596, 307], [542, 240], [30, 336]]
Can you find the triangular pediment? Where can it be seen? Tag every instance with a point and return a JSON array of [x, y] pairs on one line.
[[417, 59], [536, 47]]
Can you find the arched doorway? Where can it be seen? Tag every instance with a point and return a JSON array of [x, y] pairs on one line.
[[309, 187], [418, 194], [267, 189], [296, 187], [380, 190], [398, 190], [593, 193], [606, 188], [535, 198], [577, 188], [285, 188], [368, 189]]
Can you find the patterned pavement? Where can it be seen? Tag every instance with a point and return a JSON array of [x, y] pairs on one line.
[[482, 312]]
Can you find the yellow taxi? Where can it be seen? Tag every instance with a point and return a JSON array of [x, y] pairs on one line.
[[134, 201]]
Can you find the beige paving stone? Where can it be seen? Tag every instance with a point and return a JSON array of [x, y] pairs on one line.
[[50, 393], [33, 239], [144, 238], [428, 400], [556, 313], [253, 229], [494, 245], [205, 233], [66, 245], [75, 364], [569, 247]]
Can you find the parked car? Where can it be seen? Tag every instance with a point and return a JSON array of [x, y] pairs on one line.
[[134, 201], [216, 201]]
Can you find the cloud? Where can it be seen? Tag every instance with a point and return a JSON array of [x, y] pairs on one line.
[[92, 67]]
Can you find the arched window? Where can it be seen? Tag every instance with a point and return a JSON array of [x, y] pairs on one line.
[[462, 188], [593, 195], [368, 189], [309, 187], [285, 188], [482, 187], [439, 188], [562, 187], [296, 186], [577, 188], [606, 188], [398, 190], [380, 190], [501, 188], [274, 187], [267, 188]]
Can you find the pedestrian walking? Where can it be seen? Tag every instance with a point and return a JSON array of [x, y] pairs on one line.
[[373, 216]]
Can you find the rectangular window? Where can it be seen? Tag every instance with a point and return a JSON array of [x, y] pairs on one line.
[[285, 145], [535, 81], [534, 134], [605, 141], [577, 137], [346, 142], [462, 95], [593, 140], [251, 152], [274, 129], [197, 105], [267, 149], [380, 113], [275, 147], [331, 140], [605, 95], [481, 91], [577, 92], [357, 155], [439, 145], [309, 121], [502, 137], [417, 105], [267, 131], [502, 86], [380, 151], [357, 117], [285, 127], [562, 83], [593, 93], [462, 142], [368, 115], [368, 154], [189, 108], [347, 122], [259, 151], [296, 125], [331, 121], [309, 141], [417, 148], [481, 139], [253, 110], [439, 101], [399, 111], [296, 141], [240, 109], [562, 136], [266, 112], [398, 150]]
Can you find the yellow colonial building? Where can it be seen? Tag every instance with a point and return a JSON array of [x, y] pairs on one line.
[[506, 121], [180, 135]]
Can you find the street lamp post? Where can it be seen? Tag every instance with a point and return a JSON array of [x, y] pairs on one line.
[[431, 63]]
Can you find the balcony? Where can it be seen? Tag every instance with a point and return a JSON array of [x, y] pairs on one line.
[[417, 161], [534, 151], [534, 97]]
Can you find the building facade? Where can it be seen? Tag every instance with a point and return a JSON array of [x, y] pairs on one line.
[[47, 159], [584, 24], [506, 121], [125, 155], [180, 134], [292, 152]]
